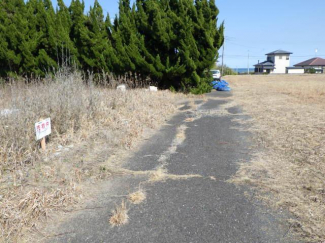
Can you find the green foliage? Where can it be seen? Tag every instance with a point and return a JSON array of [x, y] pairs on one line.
[[183, 37], [171, 43], [310, 70], [172, 89]]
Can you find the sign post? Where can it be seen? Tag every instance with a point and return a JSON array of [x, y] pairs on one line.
[[43, 129]]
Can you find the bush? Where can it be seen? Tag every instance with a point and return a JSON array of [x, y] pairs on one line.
[[310, 70]]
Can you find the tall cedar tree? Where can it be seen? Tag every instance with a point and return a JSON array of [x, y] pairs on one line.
[[65, 48], [185, 36], [100, 50], [4, 64], [137, 61], [14, 28], [121, 38], [47, 46], [79, 34], [171, 42]]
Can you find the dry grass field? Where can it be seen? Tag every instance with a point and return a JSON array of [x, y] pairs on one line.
[[288, 169], [93, 127], [89, 126]]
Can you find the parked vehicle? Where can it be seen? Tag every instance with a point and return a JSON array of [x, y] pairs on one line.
[[216, 74]]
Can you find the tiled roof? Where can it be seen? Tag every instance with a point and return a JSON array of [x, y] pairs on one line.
[[279, 52], [266, 63], [316, 61]]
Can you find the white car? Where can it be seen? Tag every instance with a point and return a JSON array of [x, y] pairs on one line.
[[216, 74]]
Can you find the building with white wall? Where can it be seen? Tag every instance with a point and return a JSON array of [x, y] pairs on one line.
[[316, 64], [277, 62]]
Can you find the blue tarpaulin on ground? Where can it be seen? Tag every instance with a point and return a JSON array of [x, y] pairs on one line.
[[221, 85], [214, 83]]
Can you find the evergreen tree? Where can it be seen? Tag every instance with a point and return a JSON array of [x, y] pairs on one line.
[[185, 37], [101, 54], [3, 41], [110, 53], [14, 26], [79, 33], [209, 37], [140, 59], [121, 38], [171, 42], [65, 49], [29, 46], [47, 51]]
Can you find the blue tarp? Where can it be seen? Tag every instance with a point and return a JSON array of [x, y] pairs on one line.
[[221, 85], [214, 83]]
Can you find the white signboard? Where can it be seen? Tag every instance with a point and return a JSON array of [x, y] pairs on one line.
[[43, 128]]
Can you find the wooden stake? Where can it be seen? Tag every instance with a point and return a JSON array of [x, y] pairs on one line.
[[43, 141], [43, 144]]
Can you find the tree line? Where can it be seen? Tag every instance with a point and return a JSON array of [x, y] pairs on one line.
[[171, 42]]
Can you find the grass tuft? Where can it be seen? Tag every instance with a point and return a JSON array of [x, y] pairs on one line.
[[158, 175], [161, 174], [137, 197], [119, 215]]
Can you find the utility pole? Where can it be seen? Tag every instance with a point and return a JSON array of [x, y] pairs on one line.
[[259, 66], [223, 53], [248, 63]]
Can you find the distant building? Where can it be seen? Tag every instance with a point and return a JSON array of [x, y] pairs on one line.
[[316, 64], [277, 62]]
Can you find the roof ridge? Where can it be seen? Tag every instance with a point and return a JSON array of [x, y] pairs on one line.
[[312, 62], [316, 59], [279, 51]]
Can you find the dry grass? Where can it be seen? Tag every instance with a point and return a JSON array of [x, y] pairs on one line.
[[119, 215], [158, 175], [178, 140], [288, 120], [88, 125], [137, 197], [35, 204], [73, 107], [161, 174]]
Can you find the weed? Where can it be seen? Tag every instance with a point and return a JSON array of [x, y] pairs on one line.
[[119, 215], [137, 197], [89, 123]]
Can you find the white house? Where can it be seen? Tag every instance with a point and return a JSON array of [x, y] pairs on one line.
[[277, 62], [316, 63]]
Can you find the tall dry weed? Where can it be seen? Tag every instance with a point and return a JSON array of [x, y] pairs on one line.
[[81, 113]]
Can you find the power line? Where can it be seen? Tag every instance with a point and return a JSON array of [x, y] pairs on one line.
[[232, 43]]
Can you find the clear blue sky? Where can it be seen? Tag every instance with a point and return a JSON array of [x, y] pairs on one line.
[[258, 27]]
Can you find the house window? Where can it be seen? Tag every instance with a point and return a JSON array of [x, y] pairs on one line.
[[280, 57], [269, 59], [287, 57]]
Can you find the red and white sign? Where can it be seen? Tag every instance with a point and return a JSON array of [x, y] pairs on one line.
[[43, 128]]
